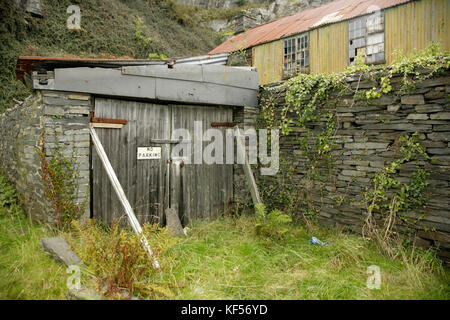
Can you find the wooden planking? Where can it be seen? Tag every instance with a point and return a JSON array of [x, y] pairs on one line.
[[142, 196], [206, 189], [116, 209], [160, 130], [141, 179], [202, 184], [123, 156], [189, 208], [106, 125]]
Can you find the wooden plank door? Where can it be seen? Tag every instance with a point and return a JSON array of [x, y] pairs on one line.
[[207, 189], [142, 180]]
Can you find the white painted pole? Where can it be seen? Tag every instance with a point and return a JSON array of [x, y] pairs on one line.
[[121, 194]]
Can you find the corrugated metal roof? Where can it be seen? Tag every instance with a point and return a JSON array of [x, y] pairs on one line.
[[27, 64], [303, 21], [207, 59]]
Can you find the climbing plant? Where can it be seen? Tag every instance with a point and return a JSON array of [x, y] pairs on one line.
[[306, 93], [414, 69], [310, 104], [394, 200], [59, 175]]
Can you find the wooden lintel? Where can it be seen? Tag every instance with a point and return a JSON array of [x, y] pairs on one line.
[[106, 125], [107, 120], [223, 124]]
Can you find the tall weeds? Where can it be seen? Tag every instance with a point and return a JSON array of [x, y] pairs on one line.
[[115, 256]]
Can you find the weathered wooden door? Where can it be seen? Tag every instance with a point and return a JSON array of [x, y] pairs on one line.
[[206, 190]]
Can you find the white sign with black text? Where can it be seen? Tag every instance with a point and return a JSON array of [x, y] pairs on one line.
[[145, 153]]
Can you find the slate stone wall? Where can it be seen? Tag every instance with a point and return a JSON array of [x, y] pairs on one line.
[[367, 140], [20, 142], [37, 126]]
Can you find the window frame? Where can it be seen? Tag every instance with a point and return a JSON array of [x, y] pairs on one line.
[[296, 54], [366, 37]]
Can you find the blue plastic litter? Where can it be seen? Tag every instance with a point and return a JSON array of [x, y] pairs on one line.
[[314, 240]]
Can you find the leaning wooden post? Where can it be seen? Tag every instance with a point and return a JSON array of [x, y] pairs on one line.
[[122, 197], [247, 168]]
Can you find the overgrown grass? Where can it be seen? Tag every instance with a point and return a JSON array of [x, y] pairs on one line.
[[225, 259], [117, 261], [222, 259], [26, 271]]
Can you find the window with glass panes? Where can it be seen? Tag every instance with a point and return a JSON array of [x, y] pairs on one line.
[[296, 54]]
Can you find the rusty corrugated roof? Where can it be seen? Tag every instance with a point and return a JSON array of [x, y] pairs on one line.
[[303, 21]]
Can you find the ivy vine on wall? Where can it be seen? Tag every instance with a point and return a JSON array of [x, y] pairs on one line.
[[309, 106]]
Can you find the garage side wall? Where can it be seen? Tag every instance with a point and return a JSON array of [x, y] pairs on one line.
[[66, 126]]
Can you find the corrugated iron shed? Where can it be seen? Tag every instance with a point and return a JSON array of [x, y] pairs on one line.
[[309, 19]]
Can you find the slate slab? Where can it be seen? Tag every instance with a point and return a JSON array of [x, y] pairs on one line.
[[174, 223], [84, 294], [60, 250]]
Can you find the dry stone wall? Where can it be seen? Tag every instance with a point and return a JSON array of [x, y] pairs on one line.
[[20, 136], [367, 139], [44, 121]]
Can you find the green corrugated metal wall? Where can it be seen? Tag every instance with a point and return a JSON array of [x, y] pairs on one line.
[[329, 48], [268, 59], [415, 24], [407, 27]]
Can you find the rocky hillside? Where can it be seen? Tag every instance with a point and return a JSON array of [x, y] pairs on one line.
[[255, 11], [207, 4]]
